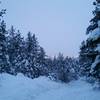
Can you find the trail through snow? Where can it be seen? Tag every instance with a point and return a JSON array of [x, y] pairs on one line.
[[22, 88]]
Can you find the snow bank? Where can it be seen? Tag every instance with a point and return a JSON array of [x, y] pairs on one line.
[[22, 88]]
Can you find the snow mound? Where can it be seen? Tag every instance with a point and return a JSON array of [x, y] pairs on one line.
[[21, 88]]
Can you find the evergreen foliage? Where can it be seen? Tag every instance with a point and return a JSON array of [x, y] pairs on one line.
[[90, 49], [3, 43]]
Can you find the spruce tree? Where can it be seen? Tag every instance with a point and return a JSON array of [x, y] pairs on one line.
[[61, 70], [41, 62], [15, 50], [3, 44], [31, 48], [84, 60], [91, 56]]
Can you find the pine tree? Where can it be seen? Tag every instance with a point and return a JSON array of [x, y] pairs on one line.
[[31, 55], [71, 69], [61, 70], [91, 56], [61, 73], [85, 61], [11, 49], [41, 62], [3, 54], [15, 50], [49, 63]]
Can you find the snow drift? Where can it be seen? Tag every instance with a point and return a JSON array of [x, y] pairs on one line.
[[22, 88]]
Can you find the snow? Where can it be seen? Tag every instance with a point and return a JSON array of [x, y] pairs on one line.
[[42, 88], [99, 24], [97, 60], [94, 35], [98, 6], [98, 48]]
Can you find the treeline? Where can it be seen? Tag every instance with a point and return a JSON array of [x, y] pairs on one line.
[[26, 56]]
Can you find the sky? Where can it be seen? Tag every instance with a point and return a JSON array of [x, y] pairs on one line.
[[59, 25]]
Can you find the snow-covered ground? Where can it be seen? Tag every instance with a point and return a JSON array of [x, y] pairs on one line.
[[22, 88]]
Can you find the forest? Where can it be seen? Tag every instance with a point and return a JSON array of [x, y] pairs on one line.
[[24, 55]]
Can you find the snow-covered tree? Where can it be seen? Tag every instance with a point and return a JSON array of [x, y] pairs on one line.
[[59, 68], [3, 44], [85, 61], [63, 68], [15, 50], [91, 56], [41, 62], [31, 50]]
